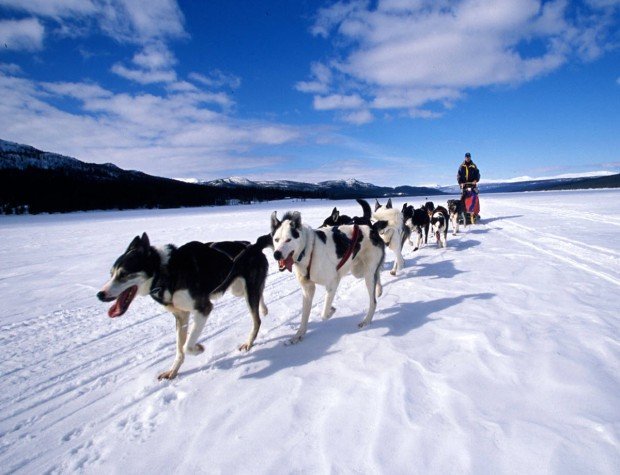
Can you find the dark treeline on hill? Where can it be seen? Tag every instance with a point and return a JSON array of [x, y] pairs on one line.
[[33, 181], [50, 191], [609, 181]]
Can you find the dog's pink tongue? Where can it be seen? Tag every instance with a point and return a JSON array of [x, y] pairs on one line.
[[286, 263], [115, 309], [121, 304]]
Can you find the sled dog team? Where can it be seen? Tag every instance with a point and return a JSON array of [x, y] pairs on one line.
[[186, 279]]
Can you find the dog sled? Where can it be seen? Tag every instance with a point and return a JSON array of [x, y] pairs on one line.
[[471, 204]]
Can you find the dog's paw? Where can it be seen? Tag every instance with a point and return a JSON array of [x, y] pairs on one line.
[[245, 347], [196, 349], [167, 375], [330, 314], [362, 324], [296, 339], [393, 272], [415, 249]]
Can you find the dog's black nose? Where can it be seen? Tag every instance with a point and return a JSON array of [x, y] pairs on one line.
[[101, 296], [277, 255]]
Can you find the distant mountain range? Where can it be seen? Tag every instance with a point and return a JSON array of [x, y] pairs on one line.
[[546, 184], [35, 181], [333, 189]]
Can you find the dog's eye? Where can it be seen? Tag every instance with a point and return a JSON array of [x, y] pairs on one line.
[[121, 274], [277, 239], [288, 240]]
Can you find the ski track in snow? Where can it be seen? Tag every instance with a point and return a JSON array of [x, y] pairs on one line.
[[451, 377]]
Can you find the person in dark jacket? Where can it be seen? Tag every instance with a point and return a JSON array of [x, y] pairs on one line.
[[469, 175], [468, 172]]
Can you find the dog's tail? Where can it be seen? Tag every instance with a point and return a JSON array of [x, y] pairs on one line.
[[366, 208], [251, 257]]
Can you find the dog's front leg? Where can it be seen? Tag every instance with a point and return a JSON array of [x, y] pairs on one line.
[[419, 231], [307, 288], [198, 323], [182, 319], [328, 310]]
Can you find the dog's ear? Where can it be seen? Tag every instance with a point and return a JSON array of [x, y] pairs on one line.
[[135, 244], [377, 205], [389, 204], [335, 214], [404, 208], [296, 220], [275, 222], [145, 240]]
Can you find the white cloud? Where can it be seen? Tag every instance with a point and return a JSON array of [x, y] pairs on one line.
[[128, 21], [424, 114], [159, 134], [360, 117], [22, 35], [143, 76], [217, 79], [153, 64], [406, 53], [321, 78], [10, 68], [338, 101], [52, 8]]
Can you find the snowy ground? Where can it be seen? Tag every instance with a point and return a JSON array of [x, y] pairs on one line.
[[498, 354]]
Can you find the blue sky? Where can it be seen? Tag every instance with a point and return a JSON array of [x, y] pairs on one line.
[[391, 92]]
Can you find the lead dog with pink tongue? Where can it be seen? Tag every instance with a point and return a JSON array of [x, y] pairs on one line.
[[324, 256], [185, 280]]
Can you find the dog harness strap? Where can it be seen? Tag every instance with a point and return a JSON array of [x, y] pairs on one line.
[[309, 266], [354, 240], [301, 256], [156, 290]]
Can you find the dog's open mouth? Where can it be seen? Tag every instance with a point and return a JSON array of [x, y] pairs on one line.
[[286, 264], [121, 304]]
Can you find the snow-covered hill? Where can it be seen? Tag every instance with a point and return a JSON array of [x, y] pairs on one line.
[[21, 157], [497, 354]]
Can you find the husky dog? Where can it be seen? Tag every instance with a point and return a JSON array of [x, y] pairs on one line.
[[337, 219], [416, 220], [456, 208], [323, 257], [183, 280], [439, 225], [389, 223]]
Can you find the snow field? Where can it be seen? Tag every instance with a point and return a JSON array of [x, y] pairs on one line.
[[497, 354]]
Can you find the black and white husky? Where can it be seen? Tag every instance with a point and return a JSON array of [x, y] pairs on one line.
[[337, 219], [323, 257], [183, 280], [416, 220], [456, 208], [439, 225], [389, 223]]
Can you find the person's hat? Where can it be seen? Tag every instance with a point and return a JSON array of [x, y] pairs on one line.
[[468, 155]]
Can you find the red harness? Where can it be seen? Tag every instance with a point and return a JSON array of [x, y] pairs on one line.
[[354, 240]]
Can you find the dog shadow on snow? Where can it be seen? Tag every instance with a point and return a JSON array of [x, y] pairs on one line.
[[402, 318], [499, 218], [322, 336]]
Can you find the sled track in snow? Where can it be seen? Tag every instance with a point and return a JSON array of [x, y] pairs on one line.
[[595, 260]]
